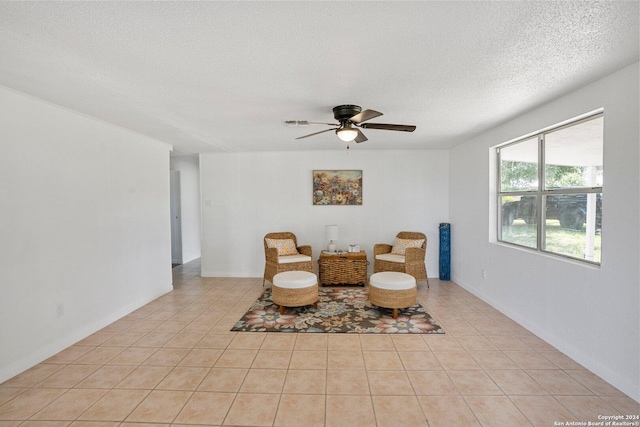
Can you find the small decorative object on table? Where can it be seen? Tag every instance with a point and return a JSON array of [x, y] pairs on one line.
[[347, 268]]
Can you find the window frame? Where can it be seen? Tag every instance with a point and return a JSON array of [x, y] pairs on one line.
[[542, 192]]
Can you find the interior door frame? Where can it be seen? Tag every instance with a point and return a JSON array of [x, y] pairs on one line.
[[176, 217]]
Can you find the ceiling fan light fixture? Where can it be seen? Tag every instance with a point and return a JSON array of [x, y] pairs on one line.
[[350, 118], [347, 134]]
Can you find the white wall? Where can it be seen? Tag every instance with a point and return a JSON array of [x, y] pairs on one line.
[[248, 195], [589, 313], [84, 225], [189, 168]]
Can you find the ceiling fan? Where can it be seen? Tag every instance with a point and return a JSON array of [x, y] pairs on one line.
[[350, 118]]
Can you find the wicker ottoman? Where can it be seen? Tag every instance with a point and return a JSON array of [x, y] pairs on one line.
[[391, 289], [295, 289]]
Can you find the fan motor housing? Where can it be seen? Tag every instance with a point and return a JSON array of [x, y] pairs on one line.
[[343, 112]]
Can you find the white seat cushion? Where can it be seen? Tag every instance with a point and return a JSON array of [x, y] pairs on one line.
[[391, 257], [392, 280], [285, 259], [294, 279]]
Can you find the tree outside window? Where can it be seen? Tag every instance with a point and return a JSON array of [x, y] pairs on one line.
[[550, 193]]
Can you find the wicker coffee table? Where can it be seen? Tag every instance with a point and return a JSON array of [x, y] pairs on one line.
[[349, 268]]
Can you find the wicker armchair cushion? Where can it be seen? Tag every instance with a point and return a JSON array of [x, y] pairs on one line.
[[391, 257], [402, 244], [284, 246], [286, 259]]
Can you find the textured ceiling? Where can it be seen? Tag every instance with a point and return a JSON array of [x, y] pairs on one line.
[[224, 76]]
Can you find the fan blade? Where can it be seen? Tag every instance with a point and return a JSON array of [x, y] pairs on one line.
[[302, 123], [384, 126], [364, 116], [316, 133], [360, 137], [321, 123]]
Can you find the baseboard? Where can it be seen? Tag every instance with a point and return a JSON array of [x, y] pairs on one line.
[[75, 336], [621, 383]]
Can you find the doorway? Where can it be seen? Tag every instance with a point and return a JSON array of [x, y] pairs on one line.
[[176, 223]]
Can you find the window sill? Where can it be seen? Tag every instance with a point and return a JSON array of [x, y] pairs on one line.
[[549, 255]]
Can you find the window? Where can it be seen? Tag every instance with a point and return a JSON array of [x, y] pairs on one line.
[[550, 190]]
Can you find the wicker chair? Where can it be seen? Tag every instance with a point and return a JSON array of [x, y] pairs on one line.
[[412, 263], [275, 264]]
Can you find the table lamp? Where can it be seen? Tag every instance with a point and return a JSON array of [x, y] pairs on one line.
[[332, 235]]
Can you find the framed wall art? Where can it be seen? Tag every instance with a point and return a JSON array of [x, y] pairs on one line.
[[337, 187]]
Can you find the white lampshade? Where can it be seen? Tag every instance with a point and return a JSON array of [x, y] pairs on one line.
[[332, 232]]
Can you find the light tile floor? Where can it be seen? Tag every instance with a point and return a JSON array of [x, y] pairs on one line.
[[174, 362]]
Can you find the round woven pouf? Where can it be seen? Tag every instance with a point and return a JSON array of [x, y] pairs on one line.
[[295, 289], [391, 289]]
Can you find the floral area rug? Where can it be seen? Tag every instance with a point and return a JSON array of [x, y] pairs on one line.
[[339, 310]]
